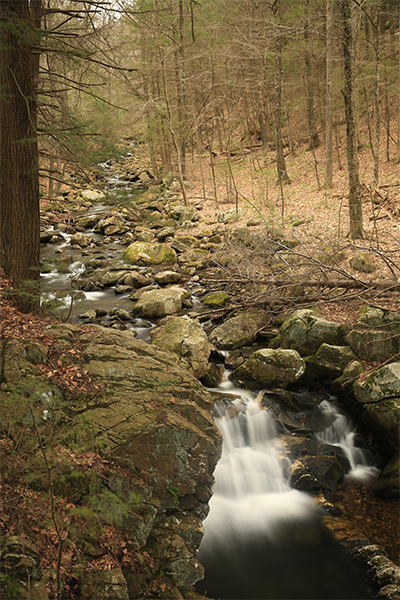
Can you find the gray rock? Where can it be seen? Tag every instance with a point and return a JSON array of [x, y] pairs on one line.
[[317, 474], [185, 338], [79, 239], [268, 368], [362, 262], [383, 419], [329, 362], [239, 331], [165, 277], [161, 302], [380, 384], [108, 585], [305, 331], [142, 253]]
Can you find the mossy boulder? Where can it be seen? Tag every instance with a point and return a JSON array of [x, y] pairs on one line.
[[362, 262], [185, 339], [376, 334], [215, 299], [270, 368], [305, 331], [329, 362], [388, 484], [157, 303], [239, 331], [146, 253], [380, 384], [383, 419]]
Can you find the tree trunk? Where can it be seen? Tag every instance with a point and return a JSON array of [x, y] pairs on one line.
[[355, 205], [329, 76], [280, 157], [377, 94], [19, 179], [312, 127]]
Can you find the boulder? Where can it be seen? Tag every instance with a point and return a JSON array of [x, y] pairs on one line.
[[376, 334], [296, 411], [111, 277], [305, 331], [93, 195], [380, 384], [136, 280], [79, 239], [166, 277], [318, 474], [215, 299], [362, 262], [185, 338], [383, 419], [388, 484], [270, 368], [329, 362], [161, 302], [142, 254], [239, 331], [194, 255]]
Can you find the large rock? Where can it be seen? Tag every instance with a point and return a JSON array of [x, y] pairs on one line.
[[239, 331], [110, 585], [376, 334], [305, 331], [268, 368], [319, 473], [380, 384], [388, 484], [143, 253], [296, 411], [383, 419], [185, 338], [161, 302], [329, 362]]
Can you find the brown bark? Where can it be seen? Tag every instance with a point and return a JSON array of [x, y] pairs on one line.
[[312, 127], [19, 178], [280, 157], [355, 205], [329, 76]]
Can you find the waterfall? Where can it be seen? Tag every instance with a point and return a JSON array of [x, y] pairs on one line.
[[340, 433]]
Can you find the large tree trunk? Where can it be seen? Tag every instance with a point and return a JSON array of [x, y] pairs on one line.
[[355, 205], [19, 179], [329, 76], [280, 157]]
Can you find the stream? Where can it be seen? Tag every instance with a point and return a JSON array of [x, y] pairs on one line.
[[263, 539]]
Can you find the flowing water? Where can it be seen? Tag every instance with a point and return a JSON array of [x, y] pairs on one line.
[[264, 539]]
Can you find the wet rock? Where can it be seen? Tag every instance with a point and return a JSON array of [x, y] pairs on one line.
[[136, 280], [89, 314], [383, 419], [388, 484], [185, 338], [234, 360], [142, 254], [45, 236], [79, 239], [238, 331], [380, 384], [120, 313], [296, 411], [305, 331], [382, 570], [108, 585], [161, 302], [214, 375], [111, 277], [317, 474], [270, 368]]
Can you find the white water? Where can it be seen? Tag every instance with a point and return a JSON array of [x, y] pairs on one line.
[[340, 433]]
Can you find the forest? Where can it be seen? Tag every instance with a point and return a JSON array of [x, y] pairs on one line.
[[238, 160]]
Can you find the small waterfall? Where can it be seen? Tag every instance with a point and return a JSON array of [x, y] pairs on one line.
[[340, 433]]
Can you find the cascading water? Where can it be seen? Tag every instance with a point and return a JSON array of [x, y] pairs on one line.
[[340, 433], [263, 539]]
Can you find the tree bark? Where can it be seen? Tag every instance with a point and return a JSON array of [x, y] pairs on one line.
[[329, 76], [355, 205], [19, 179], [312, 127], [280, 157]]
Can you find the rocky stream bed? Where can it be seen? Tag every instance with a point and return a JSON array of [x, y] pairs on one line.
[[157, 332]]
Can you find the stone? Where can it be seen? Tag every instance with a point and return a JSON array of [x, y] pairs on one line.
[[185, 338], [79, 239], [388, 484], [362, 262], [329, 362], [238, 331], [166, 277], [376, 334], [120, 313], [229, 215], [111, 277], [215, 299], [316, 474], [270, 368], [160, 302], [142, 254], [107, 585], [380, 384], [136, 280], [350, 373], [92, 195], [305, 331], [194, 255], [383, 419], [214, 375], [89, 314], [296, 411]]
